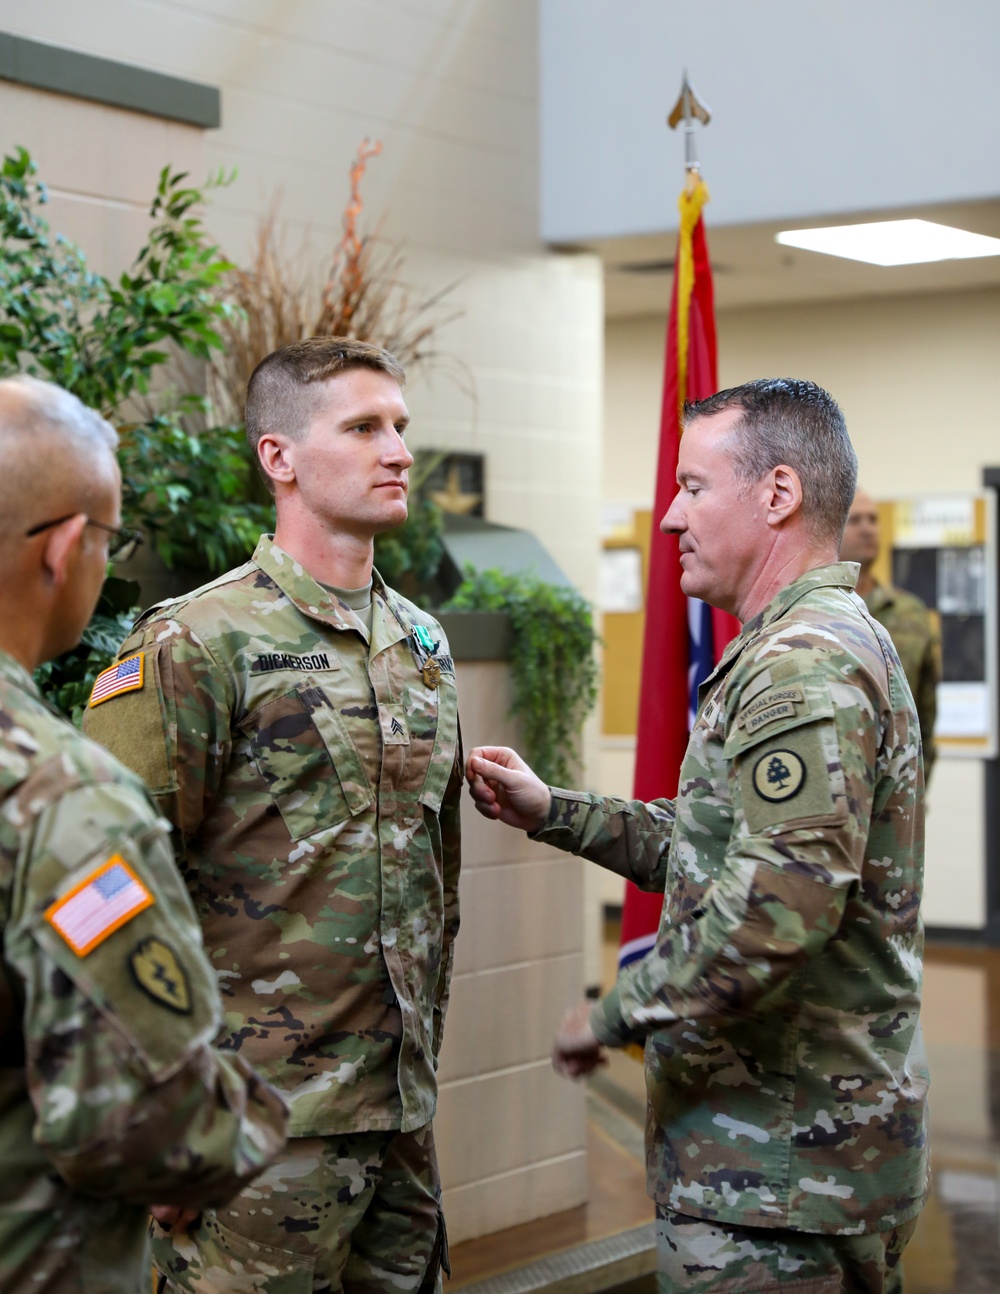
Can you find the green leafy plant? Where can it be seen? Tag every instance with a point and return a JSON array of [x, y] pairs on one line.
[[553, 669], [186, 484], [116, 345]]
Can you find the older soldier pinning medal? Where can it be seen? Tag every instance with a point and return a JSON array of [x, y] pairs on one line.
[[787, 1122]]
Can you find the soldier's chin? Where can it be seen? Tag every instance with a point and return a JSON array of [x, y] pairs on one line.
[[389, 522], [690, 586]]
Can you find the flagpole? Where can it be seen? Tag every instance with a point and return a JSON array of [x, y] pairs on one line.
[[679, 637], [686, 109]]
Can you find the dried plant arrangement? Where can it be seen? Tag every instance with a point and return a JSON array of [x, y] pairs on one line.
[[274, 301]]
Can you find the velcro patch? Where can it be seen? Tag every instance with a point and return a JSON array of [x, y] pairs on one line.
[[127, 676], [313, 662], [778, 703], [99, 905], [393, 724], [790, 777]]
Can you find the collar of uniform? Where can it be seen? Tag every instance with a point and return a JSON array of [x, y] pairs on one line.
[[838, 575], [298, 585], [842, 575], [13, 672], [390, 622]]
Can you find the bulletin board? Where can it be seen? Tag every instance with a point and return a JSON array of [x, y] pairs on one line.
[[943, 548], [624, 573]]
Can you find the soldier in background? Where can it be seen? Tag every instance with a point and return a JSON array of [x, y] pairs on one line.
[[297, 724], [111, 1097], [912, 628], [787, 1087]]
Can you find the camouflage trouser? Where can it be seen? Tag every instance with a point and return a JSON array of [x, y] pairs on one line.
[[697, 1256], [359, 1213]]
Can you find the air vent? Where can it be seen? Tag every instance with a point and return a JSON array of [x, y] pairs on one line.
[[644, 267]]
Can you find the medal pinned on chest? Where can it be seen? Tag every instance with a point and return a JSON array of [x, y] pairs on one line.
[[424, 649]]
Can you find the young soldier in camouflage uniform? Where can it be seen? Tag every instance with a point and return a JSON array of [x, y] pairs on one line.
[[297, 724], [111, 1097], [786, 1130], [912, 628]]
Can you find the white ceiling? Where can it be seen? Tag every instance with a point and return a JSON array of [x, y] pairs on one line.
[[751, 269]]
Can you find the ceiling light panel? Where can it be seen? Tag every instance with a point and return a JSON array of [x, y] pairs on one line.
[[893, 242]]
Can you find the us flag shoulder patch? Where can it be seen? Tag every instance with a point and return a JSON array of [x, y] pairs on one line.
[[102, 902], [127, 676]]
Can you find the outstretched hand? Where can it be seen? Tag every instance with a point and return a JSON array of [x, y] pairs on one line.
[[173, 1218], [505, 788], [576, 1049]]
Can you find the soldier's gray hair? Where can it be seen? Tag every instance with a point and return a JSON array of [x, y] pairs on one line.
[[42, 406], [283, 395], [58, 455], [797, 423]]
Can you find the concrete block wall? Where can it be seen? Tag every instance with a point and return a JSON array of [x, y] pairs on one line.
[[511, 1135]]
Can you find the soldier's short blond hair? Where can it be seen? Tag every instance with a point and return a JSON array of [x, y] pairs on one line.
[[283, 395], [795, 422]]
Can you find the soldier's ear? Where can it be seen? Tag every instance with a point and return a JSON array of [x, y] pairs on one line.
[[276, 456], [784, 495], [60, 545]]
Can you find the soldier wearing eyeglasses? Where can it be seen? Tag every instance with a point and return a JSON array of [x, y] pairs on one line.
[[112, 1099]]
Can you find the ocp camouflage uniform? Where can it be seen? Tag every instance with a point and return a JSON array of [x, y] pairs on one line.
[[917, 639], [111, 1097], [779, 1006], [313, 774]]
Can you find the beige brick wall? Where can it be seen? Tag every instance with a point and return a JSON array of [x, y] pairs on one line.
[[511, 1135]]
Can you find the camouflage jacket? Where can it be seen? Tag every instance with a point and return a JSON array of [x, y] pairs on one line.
[[914, 633], [779, 1005], [314, 780], [110, 1096]]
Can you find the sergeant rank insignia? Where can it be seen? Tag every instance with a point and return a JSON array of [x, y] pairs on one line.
[[158, 973]]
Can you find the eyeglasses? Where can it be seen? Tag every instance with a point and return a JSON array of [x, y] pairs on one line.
[[121, 545]]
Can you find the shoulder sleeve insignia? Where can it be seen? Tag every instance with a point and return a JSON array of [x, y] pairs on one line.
[[779, 703], [779, 775], [96, 907], [126, 676], [159, 974]]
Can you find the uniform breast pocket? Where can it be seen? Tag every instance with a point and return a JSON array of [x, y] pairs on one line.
[[305, 755]]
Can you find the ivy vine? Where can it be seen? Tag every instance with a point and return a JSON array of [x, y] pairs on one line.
[[553, 669]]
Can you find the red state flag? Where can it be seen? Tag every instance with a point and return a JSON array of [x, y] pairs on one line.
[[684, 638]]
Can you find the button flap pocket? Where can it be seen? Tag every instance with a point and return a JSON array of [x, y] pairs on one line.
[[350, 770], [304, 754]]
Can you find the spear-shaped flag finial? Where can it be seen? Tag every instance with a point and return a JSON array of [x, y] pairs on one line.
[[687, 107]]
